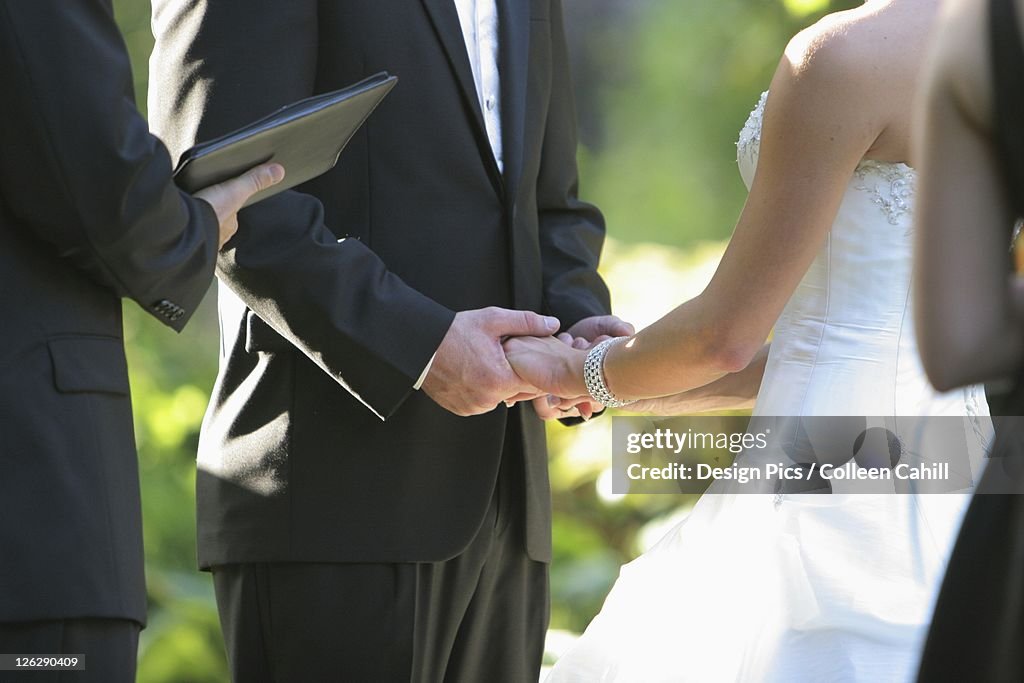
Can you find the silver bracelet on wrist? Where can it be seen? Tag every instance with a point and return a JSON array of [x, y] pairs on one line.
[[593, 375]]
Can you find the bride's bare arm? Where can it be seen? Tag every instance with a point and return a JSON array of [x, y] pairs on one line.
[[818, 123], [735, 391], [969, 307]]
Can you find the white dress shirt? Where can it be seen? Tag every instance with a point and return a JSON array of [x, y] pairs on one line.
[[479, 20]]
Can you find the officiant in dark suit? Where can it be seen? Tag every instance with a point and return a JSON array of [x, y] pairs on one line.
[[88, 215], [367, 510]]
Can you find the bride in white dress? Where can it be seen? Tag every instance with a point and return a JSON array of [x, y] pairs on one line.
[[758, 587]]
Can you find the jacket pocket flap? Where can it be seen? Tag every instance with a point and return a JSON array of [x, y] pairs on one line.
[[89, 364]]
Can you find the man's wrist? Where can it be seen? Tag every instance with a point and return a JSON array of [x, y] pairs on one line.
[[575, 363]]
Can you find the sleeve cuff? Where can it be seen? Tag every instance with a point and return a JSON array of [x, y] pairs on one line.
[[423, 375]]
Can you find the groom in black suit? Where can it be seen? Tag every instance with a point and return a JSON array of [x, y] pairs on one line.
[[358, 530]]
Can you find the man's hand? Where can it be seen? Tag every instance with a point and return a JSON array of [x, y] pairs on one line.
[[470, 375], [228, 197]]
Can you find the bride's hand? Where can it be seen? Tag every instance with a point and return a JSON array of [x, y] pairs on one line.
[[551, 407], [549, 364], [586, 407]]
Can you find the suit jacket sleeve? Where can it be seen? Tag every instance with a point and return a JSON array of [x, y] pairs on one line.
[[571, 231], [80, 170], [217, 66]]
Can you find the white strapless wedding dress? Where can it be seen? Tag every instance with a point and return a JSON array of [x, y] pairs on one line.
[[815, 588]]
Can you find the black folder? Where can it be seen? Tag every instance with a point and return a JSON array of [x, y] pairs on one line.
[[305, 137]]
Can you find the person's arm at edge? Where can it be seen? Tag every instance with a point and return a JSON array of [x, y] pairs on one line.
[[968, 305], [80, 169]]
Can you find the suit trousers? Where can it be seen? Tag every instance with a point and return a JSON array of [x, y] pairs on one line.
[[481, 616], [109, 646]]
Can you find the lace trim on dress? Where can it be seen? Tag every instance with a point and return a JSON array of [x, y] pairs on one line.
[[895, 191], [750, 135]]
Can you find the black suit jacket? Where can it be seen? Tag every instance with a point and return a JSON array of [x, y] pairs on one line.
[[330, 309], [88, 215]]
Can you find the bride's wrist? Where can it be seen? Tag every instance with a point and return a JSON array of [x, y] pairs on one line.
[[595, 376]]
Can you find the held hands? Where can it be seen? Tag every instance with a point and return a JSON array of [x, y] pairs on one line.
[[549, 364], [496, 355], [228, 197], [470, 374], [556, 366]]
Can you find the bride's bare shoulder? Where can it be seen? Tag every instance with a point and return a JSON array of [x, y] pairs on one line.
[[858, 68], [877, 43], [824, 43], [823, 70]]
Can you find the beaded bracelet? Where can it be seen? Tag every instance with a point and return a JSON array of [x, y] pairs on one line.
[[593, 375]]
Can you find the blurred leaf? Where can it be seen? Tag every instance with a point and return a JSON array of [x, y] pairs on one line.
[[801, 8], [183, 645], [178, 416]]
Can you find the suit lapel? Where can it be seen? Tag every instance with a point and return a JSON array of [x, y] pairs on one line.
[[513, 63], [445, 18]]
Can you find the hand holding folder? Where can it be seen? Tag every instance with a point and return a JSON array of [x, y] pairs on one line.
[[306, 138]]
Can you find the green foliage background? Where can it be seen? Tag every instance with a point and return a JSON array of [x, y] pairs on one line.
[[663, 87]]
